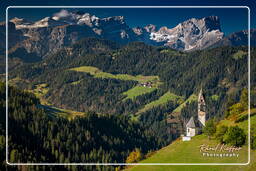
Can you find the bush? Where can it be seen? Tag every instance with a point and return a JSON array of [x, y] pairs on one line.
[[210, 128], [236, 109], [235, 136], [134, 156], [220, 132]]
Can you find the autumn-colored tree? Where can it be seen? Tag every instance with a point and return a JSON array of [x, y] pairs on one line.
[[134, 156]]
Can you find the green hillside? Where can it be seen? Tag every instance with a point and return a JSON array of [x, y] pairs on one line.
[[100, 74], [40, 90], [131, 93], [188, 152], [64, 113], [137, 91], [95, 78], [168, 96], [191, 98]]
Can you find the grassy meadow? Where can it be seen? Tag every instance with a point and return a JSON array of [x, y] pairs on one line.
[[137, 91], [100, 74], [168, 96], [191, 98], [188, 152], [131, 93]]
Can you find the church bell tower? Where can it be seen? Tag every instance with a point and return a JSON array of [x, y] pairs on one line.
[[201, 108]]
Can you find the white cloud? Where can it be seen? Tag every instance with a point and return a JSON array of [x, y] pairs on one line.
[[62, 14]]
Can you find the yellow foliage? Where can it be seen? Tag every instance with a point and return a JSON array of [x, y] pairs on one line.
[[236, 109], [134, 156]]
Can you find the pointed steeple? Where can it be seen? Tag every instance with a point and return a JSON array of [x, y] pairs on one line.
[[201, 100], [201, 107], [201, 91]]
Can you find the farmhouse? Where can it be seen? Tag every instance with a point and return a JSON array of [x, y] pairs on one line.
[[146, 84]]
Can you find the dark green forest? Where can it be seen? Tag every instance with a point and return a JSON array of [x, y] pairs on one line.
[[34, 136]]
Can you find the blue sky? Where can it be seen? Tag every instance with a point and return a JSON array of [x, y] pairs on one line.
[[231, 19]]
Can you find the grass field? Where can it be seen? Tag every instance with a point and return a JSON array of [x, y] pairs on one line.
[[100, 74], [188, 152], [40, 91], [64, 113], [137, 91], [161, 101], [191, 98], [131, 93]]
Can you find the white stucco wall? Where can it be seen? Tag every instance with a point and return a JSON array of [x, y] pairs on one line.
[[186, 138], [191, 132]]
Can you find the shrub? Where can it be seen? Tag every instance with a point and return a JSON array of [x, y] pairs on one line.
[[134, 156], [210, 128], [220, 132], [235, 136], [236, 109]]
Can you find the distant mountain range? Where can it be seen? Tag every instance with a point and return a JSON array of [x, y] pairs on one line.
[[49, 34]]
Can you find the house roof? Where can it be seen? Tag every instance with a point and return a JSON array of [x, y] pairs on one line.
[[191, 123]]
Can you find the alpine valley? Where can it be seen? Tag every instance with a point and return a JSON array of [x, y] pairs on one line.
[[84, 89]]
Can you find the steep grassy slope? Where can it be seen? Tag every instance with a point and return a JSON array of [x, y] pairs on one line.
[[168, 96], [191, 98], [188, 152]]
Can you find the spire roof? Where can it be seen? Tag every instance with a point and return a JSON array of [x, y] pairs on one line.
[[191, 123], [200, 92]]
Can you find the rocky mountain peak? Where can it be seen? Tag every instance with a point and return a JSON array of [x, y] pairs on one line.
[[191, 34], [138, 30], [47, 22], [20, 22], [17, 20], [150, 28], [113, 20]]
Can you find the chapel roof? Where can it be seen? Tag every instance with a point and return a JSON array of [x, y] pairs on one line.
[[191, 123]]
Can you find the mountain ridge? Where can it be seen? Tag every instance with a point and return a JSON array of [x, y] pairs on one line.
[[62, 29], [185, 36]]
